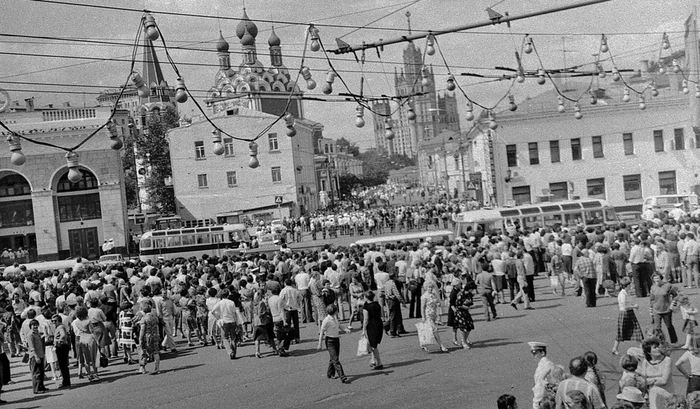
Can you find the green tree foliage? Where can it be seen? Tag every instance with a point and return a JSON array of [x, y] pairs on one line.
[[376, 167]]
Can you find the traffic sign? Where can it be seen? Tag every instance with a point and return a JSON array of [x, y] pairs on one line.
[[279, 199]]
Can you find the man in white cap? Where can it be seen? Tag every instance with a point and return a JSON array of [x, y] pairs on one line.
[[544, 367], [677, 212]]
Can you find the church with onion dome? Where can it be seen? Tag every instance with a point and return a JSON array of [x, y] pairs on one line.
[[252, 85]]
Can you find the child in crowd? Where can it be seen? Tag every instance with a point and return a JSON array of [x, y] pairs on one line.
[[330, 328], [688, 312]]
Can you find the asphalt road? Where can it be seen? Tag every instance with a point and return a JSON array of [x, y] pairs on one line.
[[499, 362]]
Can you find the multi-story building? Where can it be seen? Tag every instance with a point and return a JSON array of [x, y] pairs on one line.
[[44, 211], [434, 111], [331, 164]]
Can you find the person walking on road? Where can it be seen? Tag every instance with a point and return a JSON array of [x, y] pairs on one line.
[[485, 285], [544, 367], [330, 328], [225, 314], [662, 295], [430, 303], [372, 328], [586, 270], [628, 328]]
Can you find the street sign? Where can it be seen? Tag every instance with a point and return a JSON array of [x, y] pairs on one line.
[[279, 199]]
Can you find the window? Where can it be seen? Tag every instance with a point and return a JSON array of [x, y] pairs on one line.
[[274, 144], [596, 188], [678, 139], [597, 146], [658, 140], [534, 153], [276, 174], [87, 182], [202, 181], [232, 179], [632, 185], [79, 207], [16, 213], [512, 155], [667, 183], [199, 150], [14, 185], [559, 190], [628, 143], [228, 146], [576, 149], [521, 195], [554, 151]]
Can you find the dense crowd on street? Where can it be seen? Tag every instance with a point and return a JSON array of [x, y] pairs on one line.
[[134, 312]]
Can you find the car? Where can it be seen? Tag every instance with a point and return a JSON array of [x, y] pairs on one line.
[[111, 260], [630, 218], [277, 227]]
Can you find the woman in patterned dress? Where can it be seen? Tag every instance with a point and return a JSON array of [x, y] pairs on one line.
[[149, 339], [430, 303], [189, 317], [628, 328], [463, 319], [316, 289], [127, 336]]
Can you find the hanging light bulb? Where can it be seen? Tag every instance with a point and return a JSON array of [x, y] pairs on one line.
[[470, 111], [315, 39], [451, 82], [218, 149], [430, 45], [289, 123], [116, 143], [492, 121], [511, 103], [360, 113], [615, 74], [150, 28], [697, 90], [528, 46], [662, 67], [684, 85], [540, 76], [74, 174], [594, 100], [603, 44], [577, 111], [253, 163], [411, 114], [560, 101], [521, 72], [306, 74], [180, 91], [144, 91], [425, 76], [601, 71], [664, 42], [642, 103], [388, 132], [626, 95], [676, 67], [520, 78], [17, 157], [328, 86], [654, 91]]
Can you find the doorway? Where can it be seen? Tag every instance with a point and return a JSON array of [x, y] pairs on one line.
[[84, 243]]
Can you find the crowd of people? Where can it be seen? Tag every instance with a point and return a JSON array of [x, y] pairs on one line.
[[134, 311]]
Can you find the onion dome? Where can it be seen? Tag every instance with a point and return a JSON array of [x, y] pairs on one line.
[[274, 41], [246, 24], [248, 38], [222, 44]]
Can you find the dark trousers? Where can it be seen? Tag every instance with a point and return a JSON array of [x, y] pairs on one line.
[[283, 337], [307, 313], [514, 287], [5, 370], [414, 307], [638, 273], [530, 280], [36, 367], [589, 290], [667, 318], [62, 352], [334, 365], [395, 318], [292, 318], [568, 264], [487, 302]]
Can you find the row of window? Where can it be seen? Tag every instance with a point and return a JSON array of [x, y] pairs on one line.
[[232, 178], [201, 153], [595, 188], [597, 147]]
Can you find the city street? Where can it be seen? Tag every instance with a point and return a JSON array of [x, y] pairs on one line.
[[499, 362]]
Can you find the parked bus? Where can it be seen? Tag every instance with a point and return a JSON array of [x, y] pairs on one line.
[[586, 213], [188, 242], [417, 237]]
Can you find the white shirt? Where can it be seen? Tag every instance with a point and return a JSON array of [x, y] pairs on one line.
[[225, 310], [302, 280]]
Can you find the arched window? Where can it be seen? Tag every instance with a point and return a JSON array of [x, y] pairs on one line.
[[78, 201], [15, 204], [14, 185]]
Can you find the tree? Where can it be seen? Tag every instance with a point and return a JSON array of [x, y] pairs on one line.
[[348, 147], [376, 166]]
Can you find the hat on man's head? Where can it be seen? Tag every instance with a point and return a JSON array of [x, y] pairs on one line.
[[537, 346], [631, 394]]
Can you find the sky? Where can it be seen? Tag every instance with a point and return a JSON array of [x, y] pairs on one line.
[[633, 28]]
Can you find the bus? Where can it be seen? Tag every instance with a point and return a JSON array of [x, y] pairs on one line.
[[417, 237], [586, 213], [191, 242]]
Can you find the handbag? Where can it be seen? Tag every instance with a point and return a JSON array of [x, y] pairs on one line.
[[104, 361], [425, 334], [362, 346], [25, 358]]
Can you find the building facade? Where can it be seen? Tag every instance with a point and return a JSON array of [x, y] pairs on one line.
[[41, 210]]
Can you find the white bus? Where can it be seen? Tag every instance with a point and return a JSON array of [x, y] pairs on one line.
[[417, 237], [188, 242], [584, 213]]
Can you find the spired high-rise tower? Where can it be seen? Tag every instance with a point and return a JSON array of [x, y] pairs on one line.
[[435, 111]]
